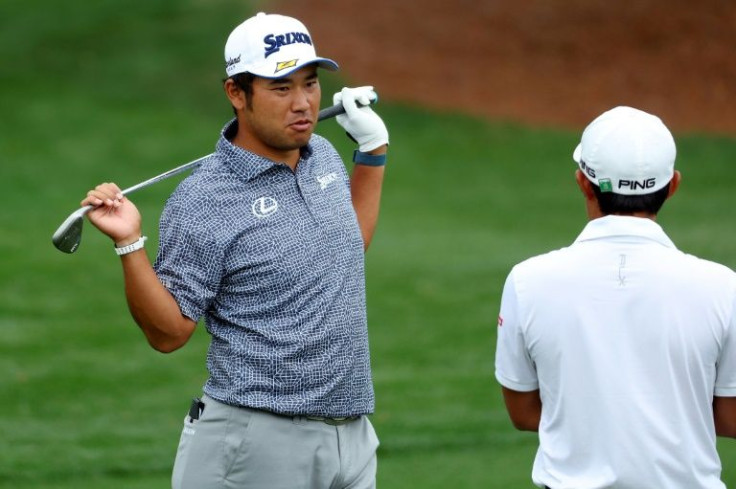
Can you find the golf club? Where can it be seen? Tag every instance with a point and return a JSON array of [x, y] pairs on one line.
[[68, 236]]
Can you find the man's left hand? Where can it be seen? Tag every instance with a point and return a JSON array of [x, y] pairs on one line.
[[361, 123]]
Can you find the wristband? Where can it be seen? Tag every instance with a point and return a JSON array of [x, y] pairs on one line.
[[134, 246], [368, 159]]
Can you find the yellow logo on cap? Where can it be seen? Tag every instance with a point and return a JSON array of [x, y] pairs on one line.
[[282, 65]]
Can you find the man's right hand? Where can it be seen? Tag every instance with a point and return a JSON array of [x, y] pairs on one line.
[[114, 215]]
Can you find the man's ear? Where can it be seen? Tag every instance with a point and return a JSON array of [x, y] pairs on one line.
[[591, 201], [235, 94], [585, 186], [674, 183]]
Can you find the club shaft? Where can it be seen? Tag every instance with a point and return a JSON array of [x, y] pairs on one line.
[[326, 113], [165, 175], [67, 237]]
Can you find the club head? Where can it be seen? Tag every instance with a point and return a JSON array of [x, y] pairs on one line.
[[68, 236]]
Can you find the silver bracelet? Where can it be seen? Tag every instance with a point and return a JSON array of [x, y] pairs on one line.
[[134, 246]]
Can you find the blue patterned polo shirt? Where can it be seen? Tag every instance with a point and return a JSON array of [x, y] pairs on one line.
[[273, 260]]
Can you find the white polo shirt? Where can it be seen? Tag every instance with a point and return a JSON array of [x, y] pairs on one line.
[[627, 339]]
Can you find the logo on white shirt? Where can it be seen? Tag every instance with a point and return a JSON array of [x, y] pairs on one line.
[[264, 207], [325, 180]]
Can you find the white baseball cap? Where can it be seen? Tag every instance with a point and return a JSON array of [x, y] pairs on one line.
[[271, 46], [627, 151]]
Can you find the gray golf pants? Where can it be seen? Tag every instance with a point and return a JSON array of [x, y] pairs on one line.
[[230, 447]]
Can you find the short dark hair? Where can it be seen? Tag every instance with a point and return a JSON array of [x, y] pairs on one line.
[[611, 203], [245, 82]]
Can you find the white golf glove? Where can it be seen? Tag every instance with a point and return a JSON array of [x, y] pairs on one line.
[[361, 123]]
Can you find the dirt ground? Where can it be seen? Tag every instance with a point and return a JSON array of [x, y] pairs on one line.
[[550, 63]]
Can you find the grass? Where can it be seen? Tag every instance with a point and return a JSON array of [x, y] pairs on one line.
[[94, 92]]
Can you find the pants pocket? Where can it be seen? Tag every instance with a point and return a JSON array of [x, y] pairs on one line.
[[182, 452]]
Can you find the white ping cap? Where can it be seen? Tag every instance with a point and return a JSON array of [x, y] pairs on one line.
[[627, 151], [271, 46]]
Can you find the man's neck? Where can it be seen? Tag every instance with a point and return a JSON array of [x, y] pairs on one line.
[[238, 137]]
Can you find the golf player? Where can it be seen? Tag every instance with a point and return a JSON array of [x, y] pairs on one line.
[[620, 349], [265, 241]]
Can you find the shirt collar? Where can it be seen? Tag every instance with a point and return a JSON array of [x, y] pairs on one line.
[[244, 163], [625, 226]]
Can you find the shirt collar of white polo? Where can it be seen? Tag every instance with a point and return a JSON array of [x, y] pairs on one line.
[[625, 226]]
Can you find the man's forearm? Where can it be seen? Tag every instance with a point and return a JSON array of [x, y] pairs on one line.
[[366, 184]]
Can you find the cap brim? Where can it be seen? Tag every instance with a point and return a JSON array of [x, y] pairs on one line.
[[578, 153], [270, 72], [327, 64]]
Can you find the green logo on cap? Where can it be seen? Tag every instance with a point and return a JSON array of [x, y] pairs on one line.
[[605, 185]]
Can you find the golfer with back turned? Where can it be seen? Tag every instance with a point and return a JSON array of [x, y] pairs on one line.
[[266, 242], [620, 350]]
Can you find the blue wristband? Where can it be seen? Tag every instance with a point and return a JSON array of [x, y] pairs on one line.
[[361, 158]]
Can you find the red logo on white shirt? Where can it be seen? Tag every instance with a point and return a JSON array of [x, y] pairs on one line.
[[500, 321]]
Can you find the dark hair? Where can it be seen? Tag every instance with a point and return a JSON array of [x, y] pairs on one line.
[[611, 203], [245, 82]]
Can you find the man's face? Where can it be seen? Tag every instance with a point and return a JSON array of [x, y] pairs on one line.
[[283, 113]]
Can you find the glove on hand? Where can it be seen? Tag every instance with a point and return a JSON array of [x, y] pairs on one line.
[[361, 123]]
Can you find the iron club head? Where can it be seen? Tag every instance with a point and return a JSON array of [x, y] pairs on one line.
[[68, 236]]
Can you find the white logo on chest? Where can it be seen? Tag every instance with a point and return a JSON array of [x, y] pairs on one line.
[[325, 180], [264, 206]]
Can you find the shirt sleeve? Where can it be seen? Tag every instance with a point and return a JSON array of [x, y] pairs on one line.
[[515, 369], [189, 260], [726, 368]]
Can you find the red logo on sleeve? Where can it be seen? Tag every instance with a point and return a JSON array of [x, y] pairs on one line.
[[500, 321]]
